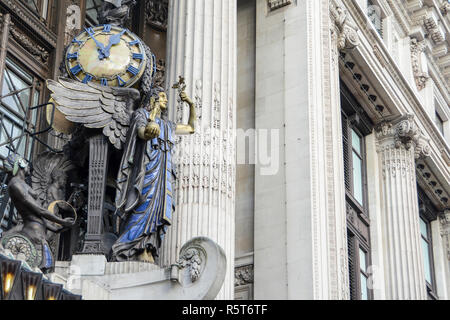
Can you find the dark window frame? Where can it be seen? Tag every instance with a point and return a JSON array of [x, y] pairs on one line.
[[428, 213], [358, 224]]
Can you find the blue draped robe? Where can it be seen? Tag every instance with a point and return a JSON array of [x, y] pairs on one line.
[[145, 189]]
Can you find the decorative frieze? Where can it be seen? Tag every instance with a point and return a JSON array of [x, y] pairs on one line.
[[344, 31], [277, 4], [28, 44]]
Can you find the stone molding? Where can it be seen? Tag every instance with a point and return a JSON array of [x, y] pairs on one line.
[[277, 4], [403, 133]]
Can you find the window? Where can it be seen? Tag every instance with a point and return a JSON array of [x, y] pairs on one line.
[[19, 91], [428, 213], [355, 126], [39, 7], [439, 122], [92, 9]]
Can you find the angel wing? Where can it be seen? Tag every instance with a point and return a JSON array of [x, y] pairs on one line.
[[96, 106], [45, 168]]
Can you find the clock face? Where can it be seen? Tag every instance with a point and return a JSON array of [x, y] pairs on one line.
[[106, 55]]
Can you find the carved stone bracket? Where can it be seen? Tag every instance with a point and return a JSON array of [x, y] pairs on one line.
[[344, 31], [444, 218], [156, 13], [405, 133], [243, 275], [420, 75]]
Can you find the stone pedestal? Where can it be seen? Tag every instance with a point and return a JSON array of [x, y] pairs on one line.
[[202, 49], [197, 275], [399, 143]]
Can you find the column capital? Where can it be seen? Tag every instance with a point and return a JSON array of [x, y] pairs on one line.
[[403, 132], [343, 30]]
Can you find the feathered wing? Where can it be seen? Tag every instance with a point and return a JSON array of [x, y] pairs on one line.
[[94, 106], [41, 178]]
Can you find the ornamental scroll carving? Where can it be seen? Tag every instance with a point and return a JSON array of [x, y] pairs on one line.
[[191, 259], [418, 63], [403, 133], [344, 31]]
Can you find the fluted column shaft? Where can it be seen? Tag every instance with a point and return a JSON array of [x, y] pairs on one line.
[[399, 144], [202, 49]]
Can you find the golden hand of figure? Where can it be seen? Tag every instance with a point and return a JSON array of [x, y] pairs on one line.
[[152, 130], [184, 97]]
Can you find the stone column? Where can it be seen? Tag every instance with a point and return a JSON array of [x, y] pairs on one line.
[[202, 49], [399, 144]]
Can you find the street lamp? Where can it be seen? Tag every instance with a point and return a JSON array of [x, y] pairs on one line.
[[51, 291], [10, 271], [31, 283]]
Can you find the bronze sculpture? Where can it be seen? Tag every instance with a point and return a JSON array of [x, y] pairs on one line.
[[29, 239], [111, 100]]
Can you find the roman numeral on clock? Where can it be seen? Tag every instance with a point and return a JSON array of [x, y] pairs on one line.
[[104, 82], [138, 56], [87, 79], [133, 70], [75, 40], [72, 56], [76, 70], [90, 31], [133, 43], [121, 81], [107, 28]]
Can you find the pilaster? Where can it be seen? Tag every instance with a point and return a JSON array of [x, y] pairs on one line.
[[202, 49], [399, 144]]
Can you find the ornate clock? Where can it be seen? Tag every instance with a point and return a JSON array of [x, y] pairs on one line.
[[106, 55]]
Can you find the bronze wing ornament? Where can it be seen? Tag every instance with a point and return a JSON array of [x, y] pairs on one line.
[[49, 177], [96, 107]]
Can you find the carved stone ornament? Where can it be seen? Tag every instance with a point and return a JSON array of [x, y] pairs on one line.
[[445, 7], [243, 275], [277, 4], [156, 13], [191, 259], [417, 59], [344, 30], [405, 133], [444, 218]]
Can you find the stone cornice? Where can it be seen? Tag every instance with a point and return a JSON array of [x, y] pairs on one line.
[[30, 20], [402, 85]]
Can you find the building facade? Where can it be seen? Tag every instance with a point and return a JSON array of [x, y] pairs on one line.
[[321, 160]]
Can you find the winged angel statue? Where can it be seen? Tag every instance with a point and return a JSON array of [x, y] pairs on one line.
[[144, 139]]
